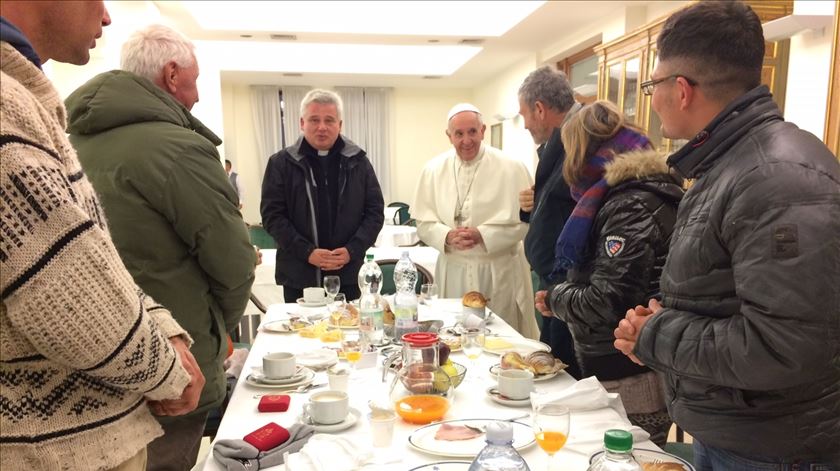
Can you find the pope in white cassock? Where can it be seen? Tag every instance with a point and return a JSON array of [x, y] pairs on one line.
[[467, 206]]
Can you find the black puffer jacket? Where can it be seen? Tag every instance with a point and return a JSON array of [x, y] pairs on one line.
[[625, 255], [288, 213], [750, 333]]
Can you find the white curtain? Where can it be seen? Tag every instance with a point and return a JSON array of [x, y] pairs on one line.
[[292, 98], [378, 141], [367, 123], [265, 109]]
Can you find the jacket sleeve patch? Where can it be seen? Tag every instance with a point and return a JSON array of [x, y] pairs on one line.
[[614, 245], [785, 241]]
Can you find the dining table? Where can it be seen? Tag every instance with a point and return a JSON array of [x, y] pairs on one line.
[[471, 398]]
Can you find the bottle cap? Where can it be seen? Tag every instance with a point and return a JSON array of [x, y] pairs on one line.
[[420, 339], [499, 432], [618, 440], [369, 257]]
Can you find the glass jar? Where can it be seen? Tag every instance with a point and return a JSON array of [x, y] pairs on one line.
[[420, 348]]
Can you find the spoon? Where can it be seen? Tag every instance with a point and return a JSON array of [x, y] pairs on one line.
[[300, 389]]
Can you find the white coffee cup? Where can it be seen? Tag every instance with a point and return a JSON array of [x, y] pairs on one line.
[[382, 427], [314, 295], [339, 379], [279, 365], [327, 407], [516, 384]]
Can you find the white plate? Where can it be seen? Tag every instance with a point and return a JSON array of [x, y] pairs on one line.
[[278, 326], [651, 456], [259, 376], [444, 466], [320, 358], [310, 375], [493, 392], [494, 370], [423, 439], [520, 345], [304, 303], [349, 421]]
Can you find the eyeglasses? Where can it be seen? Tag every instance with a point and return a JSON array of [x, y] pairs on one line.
[[648, 86]]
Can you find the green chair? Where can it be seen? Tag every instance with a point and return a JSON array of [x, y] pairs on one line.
[[387, 267], [402, 213], [260, 237]]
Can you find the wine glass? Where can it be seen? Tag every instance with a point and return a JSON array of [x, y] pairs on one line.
[[551, 428], [332, 285], [338, 308], [472, 344], [353, 346], [428, 293]]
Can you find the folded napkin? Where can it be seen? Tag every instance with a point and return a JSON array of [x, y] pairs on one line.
[[594, 411], [239, 455], [326, 452]]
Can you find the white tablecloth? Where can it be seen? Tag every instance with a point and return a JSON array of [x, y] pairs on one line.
[[471, 401], [397, 236]]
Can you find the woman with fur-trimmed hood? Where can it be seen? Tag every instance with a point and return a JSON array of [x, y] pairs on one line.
[[612, 250]]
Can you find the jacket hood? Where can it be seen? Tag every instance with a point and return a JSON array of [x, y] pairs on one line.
[[119, 98], [645, 169]]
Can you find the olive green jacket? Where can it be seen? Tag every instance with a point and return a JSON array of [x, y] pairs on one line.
[[170, 207]]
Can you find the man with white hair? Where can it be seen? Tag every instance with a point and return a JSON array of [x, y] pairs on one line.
[[467, 206], [173, 214], [321, 202]]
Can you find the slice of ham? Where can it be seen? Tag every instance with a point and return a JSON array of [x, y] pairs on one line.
[[456, 432]]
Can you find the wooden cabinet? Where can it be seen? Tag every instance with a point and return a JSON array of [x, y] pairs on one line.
[[628, 61]]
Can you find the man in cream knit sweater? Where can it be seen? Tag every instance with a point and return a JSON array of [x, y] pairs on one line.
[[84, 354]]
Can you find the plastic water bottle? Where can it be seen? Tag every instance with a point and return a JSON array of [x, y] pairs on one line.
[[499, 454], [618, 453], [405, 301], [370, 304]]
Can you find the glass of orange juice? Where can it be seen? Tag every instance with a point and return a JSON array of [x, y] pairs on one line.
[[352, 346], [551, 427]]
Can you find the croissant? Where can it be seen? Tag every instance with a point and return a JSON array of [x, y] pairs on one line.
[[513, 360], [544, 363]]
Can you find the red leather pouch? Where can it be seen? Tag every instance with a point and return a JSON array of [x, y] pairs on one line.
[[267, 437], [274, 403]]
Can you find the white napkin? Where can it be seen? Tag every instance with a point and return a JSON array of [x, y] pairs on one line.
[[325, 452], [594, 411]]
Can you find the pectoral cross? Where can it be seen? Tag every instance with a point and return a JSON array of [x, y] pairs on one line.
[[459, 219]]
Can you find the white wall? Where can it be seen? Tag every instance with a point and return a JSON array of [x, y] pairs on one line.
[[240, 147], [808, 71], [499, 97]]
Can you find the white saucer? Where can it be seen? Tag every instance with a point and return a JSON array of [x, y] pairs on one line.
[[304, 303], [310, 375], [493, 392], [259, 376], [348, 422], [280, 326]]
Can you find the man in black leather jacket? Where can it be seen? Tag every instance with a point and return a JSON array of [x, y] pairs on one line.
[[748, 332], [546, 101], [321, 202]]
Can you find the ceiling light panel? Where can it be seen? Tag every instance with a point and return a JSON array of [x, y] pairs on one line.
[[337, 58], [426, 18]]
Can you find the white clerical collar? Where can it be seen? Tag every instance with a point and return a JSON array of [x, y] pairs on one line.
[[474, 161], [323, 153]]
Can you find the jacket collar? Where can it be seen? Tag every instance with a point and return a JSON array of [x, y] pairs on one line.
[[635, 165], [12, 35], [350, 149], [727, 128]]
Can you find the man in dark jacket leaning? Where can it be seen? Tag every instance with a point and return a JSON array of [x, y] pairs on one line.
[[748, 331], [321, 202], [172, 212], [546, 101]]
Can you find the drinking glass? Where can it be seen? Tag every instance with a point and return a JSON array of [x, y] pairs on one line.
[[428, 293], [332, 285], [551, 428], [338, 307], [353, 345], [472, 343]]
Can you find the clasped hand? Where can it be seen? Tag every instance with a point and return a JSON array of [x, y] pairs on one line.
[[463, 238], [191, 394], [329, 260], [627, 332]]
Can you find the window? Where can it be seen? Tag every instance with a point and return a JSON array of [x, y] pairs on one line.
[[582, 70]]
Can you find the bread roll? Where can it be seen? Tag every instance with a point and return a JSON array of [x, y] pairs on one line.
[[474, 299]]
